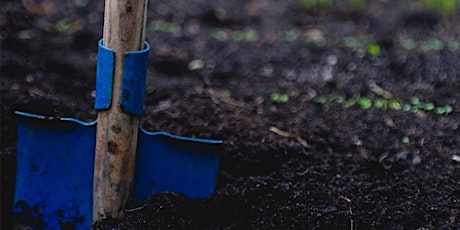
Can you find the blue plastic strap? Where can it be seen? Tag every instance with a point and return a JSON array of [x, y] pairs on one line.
[[104, 77], [134, 78]]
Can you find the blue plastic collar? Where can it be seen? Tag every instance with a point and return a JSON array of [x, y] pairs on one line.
[[134, 77]]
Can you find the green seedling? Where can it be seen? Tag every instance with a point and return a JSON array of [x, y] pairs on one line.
[[357, 4], [219, 34], [291, 34], [351, 42], [408, 108], [405, 140], [352, 101], [432, 45], [446, 7], [62, 25], [279, 98], [408, 44], [444, 110], [365, 103], [319, 99], [149, 90], [245, 35], [325, 3], [395, 104], [373, 50], [428, 106], [453, 44], [307, 4], [380, 104]]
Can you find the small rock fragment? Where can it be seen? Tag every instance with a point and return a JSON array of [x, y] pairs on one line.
[[416, 160], [455, 158], [30, 78], [195, 64]]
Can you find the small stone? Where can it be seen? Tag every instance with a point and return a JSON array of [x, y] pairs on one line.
[[326, 73], [416, 160], [455, 157], [316, 36], [30, 78], [356, 141], [401, 155], [195, 65], [331, 60]]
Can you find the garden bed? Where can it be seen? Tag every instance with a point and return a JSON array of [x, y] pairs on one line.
[[332, 118]]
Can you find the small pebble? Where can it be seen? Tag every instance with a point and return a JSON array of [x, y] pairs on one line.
[[326, 73], [455, 158], [195, 64], [30, 78], [416, 160], [331, 60], [401, 155]]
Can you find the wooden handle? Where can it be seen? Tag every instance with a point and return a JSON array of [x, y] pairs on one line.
[[116, 138]]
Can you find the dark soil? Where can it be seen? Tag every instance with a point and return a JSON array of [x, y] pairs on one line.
[[355, 172]]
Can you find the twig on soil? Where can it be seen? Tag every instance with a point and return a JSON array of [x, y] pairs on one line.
[[380, 91], [289, 135], [135, 209]]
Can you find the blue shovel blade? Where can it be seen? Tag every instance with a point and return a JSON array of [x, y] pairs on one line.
[[55, 165]]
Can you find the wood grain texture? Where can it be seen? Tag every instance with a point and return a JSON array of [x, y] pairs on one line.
[[116, 138]]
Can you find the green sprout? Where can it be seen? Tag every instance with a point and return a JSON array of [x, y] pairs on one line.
[[279, 98], [428, 106], [351, 42], [149, 90], [307, 4], [414, 105], [453, 44], [325, 4], [365, 103], [319, 99], [432, 45], [408, 44], [313, 4], [380, 104], [357, 4], [219, 34], [62, 25], [245, 35], [291, 34], [444, 110], [405, 140], [373, 49], [446, 7]]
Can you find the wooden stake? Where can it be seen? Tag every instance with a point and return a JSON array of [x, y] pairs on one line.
[[116, 138]]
